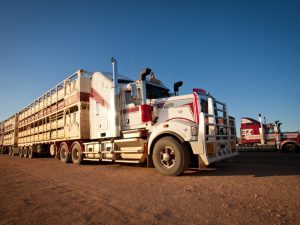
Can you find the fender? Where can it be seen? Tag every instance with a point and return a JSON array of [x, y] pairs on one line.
[[289, 141], [179, 128]]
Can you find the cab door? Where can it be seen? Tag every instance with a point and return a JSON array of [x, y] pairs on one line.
[[130, 110]]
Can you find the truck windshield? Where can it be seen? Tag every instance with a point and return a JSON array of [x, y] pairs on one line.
[[154, 91]]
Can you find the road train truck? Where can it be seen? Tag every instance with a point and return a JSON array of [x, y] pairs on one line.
[[261, 134], [109, 117]]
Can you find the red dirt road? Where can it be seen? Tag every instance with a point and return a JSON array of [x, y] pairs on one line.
[[253, 188]]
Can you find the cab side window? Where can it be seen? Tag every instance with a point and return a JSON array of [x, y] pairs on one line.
[[136, 100], [128, 98]]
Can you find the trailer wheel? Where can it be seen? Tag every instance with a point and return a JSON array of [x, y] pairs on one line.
[[11, 151], [30, 152], [64, 153], [53, 150], [170, 157], [20, 152], [289, 148], [76, 153], [24, 152]]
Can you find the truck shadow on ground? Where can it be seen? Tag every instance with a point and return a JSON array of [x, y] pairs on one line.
[[258, 164]]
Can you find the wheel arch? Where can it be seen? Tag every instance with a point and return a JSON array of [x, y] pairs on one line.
[[284, 143], [161, 135], [180, 130]]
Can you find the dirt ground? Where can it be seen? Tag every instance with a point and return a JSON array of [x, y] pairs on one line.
[[253, 188]]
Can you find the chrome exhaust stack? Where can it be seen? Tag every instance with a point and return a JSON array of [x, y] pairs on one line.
[[145, 72], [261, 130], [115, 111]]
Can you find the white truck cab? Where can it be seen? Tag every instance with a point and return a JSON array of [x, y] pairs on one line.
[[138, 121]]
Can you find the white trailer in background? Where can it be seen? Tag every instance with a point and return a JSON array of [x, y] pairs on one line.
[[108, 117]]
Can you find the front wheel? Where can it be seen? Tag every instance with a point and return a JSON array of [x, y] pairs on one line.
[[170, 157], [289, 148]]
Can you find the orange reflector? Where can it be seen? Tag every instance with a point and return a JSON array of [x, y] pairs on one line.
[[165, 125]]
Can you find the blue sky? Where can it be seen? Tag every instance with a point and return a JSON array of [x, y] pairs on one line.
[[245, 53]]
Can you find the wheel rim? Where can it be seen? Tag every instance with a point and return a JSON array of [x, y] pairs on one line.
[[167, 157], [64, 153], [75, 154]]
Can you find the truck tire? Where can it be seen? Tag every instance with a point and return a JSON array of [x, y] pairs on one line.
[[64, 153], [24, 152], [10, 152], [289, 148], [76, 153], [53, 150], [170, 157], [30, 152]]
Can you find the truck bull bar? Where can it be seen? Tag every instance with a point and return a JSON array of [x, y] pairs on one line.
[[216, 136]]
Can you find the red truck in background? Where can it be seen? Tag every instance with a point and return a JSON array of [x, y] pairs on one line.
[[267, 135]]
